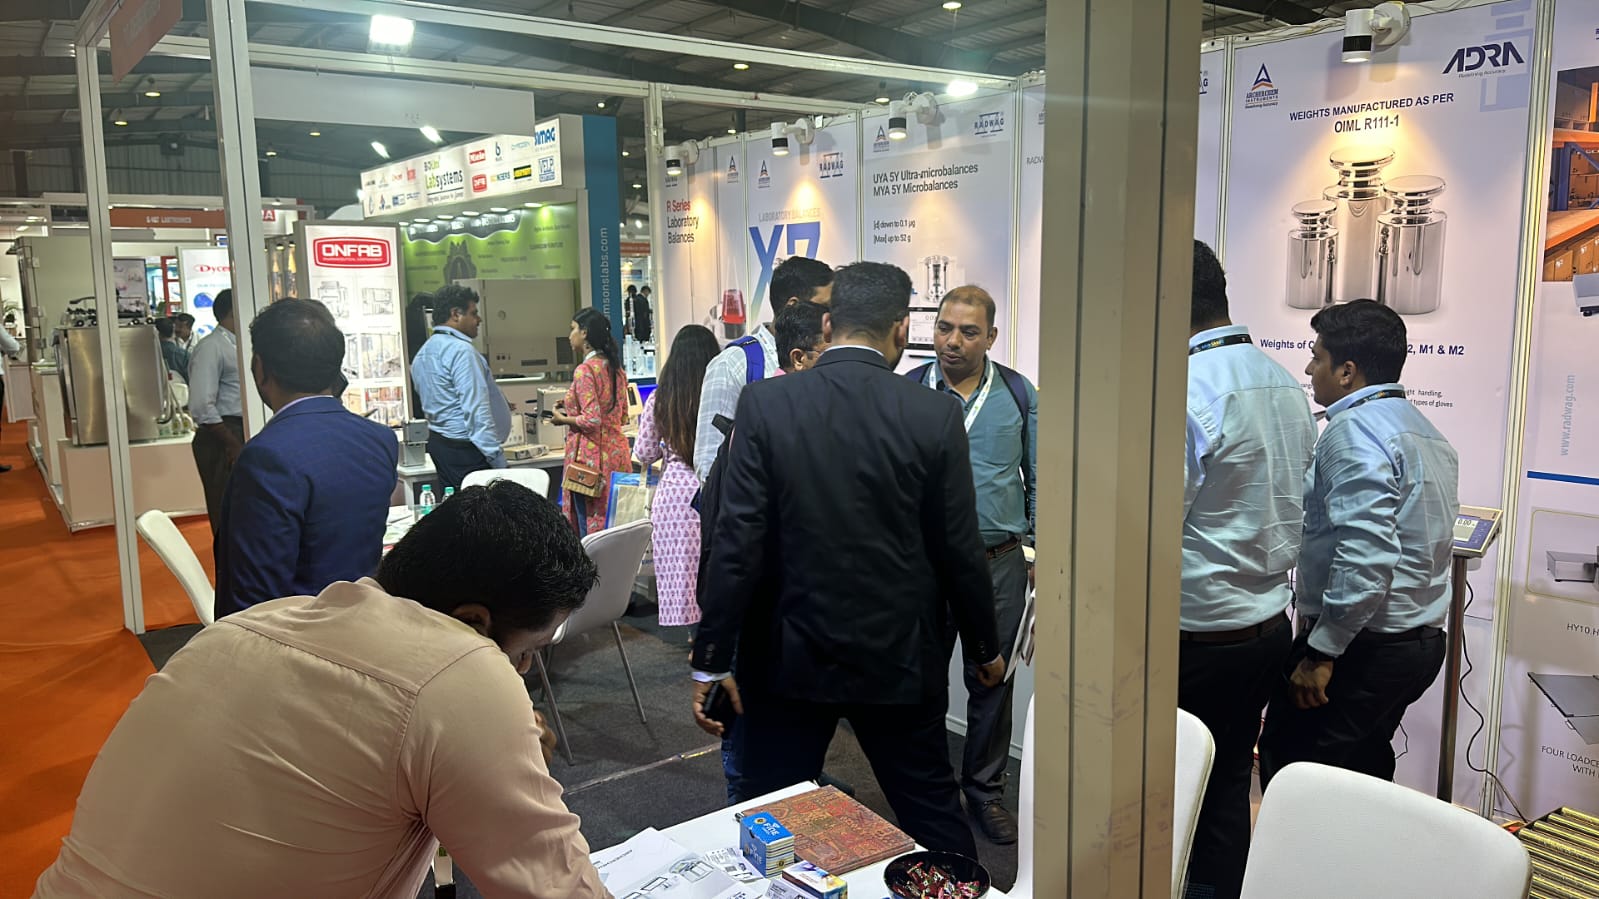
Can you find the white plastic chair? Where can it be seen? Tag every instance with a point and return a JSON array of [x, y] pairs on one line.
[[157, 529], [1327, 833], [534, 479], [1196, 751], [618, 552]]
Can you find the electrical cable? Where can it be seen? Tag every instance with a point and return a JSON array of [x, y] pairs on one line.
[[1482, 722]]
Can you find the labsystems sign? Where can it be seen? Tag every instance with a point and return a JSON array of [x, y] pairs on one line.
[[351, 252]]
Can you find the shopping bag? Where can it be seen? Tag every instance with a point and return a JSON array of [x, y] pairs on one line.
[[631, 495]]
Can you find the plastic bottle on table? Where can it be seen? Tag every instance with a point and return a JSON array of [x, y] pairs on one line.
[[449, 492], [425, 503]]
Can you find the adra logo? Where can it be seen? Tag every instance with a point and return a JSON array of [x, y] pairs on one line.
[[881, 142], [1491, 56], [732, 171]]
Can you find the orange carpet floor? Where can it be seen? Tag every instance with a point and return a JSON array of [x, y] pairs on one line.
[[68, 669]]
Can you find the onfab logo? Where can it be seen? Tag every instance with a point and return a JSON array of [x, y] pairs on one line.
[[480, 183], [477, 156], [1495, 57], [351, 252]]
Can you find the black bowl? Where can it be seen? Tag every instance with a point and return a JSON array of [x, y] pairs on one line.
[[960, 867]]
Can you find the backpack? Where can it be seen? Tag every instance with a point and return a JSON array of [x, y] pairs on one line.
[[1018, 391], [709, 497], [754, 358]]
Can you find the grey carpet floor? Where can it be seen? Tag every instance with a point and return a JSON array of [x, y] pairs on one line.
[[628, 774]]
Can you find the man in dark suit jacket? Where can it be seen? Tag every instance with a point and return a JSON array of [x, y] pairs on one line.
[[845, 558], [308, 500]]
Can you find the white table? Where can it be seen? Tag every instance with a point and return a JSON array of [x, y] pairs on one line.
[[719, 830], [412, 477]]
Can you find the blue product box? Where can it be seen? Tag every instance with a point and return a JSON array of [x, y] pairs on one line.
[[765, 843], [816, 883]]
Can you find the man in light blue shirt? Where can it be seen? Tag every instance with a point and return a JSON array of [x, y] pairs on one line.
[[1000, 413], [467, 414], [217, 406], [1250, 437], [1380, 506]]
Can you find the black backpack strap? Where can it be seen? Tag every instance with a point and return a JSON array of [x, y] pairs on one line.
[[919, 373], [1018, 391]]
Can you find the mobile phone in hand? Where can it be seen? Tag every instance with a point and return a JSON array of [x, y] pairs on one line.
[[718, 706]]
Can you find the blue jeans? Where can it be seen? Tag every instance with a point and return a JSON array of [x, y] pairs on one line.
[[730, 760]]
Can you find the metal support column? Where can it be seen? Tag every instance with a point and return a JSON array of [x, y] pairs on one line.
[[1457, 640], [105, 294], [241, 184], [655, 170]]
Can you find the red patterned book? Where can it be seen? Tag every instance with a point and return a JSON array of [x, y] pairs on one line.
[[835, 833]]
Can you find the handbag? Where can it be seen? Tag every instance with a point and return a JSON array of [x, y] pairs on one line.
[[582, 479]]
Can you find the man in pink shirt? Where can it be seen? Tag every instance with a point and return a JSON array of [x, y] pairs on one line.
[[326, 745]]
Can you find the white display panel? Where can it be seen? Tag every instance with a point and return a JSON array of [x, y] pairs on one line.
[[1034, 272], [1212, 121], [205, 272], [354, 270]]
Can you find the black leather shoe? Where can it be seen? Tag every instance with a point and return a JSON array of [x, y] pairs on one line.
[[4, 469], [996, 822]]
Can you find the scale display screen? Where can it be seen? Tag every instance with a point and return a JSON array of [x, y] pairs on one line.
[[1475, 530]]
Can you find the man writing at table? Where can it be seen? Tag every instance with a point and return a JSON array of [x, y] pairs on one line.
[[309, 496], [327, 745]]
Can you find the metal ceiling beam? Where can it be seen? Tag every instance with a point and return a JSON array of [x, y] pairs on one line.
[[42, 10], [1285, 11], [58, 66], [36, 101]]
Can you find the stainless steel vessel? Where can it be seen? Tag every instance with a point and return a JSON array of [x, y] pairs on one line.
[[1360, 200], [1410, 251], [142, 383], [1312, 255]]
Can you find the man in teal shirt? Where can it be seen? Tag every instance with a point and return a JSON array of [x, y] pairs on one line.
[[1002, 429]]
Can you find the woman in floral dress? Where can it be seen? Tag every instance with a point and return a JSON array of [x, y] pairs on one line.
[[594, 413], [666, 431]]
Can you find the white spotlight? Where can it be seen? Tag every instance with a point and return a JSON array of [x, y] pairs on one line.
[[379, 149], [1366, 30], [391, 31], [432, 134]]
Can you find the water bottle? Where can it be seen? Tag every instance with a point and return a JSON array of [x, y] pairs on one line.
[[449, 492], [425, 503]]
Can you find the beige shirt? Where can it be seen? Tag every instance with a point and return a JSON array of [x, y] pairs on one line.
[[323, 746]]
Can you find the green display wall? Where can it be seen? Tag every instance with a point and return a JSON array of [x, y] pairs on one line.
[[541, 244]]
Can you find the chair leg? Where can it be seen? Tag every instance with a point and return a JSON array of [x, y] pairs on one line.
[[555, 711], [628, 667]]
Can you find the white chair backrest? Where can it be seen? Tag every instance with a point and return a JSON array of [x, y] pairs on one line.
[[534, 479], [618, 552], [1024, 840], [157, 529], [1327, 833], [1196, 750]]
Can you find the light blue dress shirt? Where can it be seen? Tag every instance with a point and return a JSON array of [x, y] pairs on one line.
[[1250, 438], [1380, 506], [214, 378], [995, 436], [459, 396]]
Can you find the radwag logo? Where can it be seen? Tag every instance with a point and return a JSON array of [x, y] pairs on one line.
[[989, 124], [1485, 59], [763, 179], [1263, 93], [831, 165], [1204, 82], [881, 142], [732, 171]]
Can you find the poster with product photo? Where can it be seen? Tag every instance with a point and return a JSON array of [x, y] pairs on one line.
[[355, 271], [1353, 182], [725, 307], [204, 273], [939, 204], [1548, 746], [799, 204]]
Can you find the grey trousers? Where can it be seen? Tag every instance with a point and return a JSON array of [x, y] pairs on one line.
[[988, 709]]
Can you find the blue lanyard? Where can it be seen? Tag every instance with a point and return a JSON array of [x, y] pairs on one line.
[[1390, 393], [1229, 340]]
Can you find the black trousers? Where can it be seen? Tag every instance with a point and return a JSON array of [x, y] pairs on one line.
[[211, 460], [1372, 684], [453, 460], [1226, 685], [783, 742], [988, 709]]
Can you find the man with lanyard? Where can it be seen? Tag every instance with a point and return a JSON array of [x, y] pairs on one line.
[[466, 412], [1250, 436], [1001, 418], [217, 406], [1380, 506]]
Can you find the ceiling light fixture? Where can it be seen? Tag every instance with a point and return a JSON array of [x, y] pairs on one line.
[[118, 120], [532, 205], [271, 152], [923, 106], [732, 131], [961, 88], [432, 134], [379, 149], [499, 209], [637, 186], [883, 98], [625, 153], [150, 89], [391, 31], [600, 104], [466, 213], [677, 156], [741, 66], [952, 5], [314, 133], [1366, 30]]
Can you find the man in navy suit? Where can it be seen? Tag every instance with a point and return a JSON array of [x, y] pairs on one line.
[[308, 500]]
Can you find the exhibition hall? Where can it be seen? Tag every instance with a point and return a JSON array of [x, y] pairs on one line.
[[714, 449]]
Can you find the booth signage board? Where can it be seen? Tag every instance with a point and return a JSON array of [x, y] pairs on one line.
[[535, 243], [1031, 274], [692, 290], [1545, 759], [137, 26], [132, 283], [601, 234], [205, 272], [486, 169], [384, 101], [1294, 107], [939, 204], [1212, 121], [136, 217], [355, 271]]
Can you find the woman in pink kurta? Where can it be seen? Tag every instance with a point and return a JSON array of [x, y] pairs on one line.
[[666, 431], [594, 413]]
